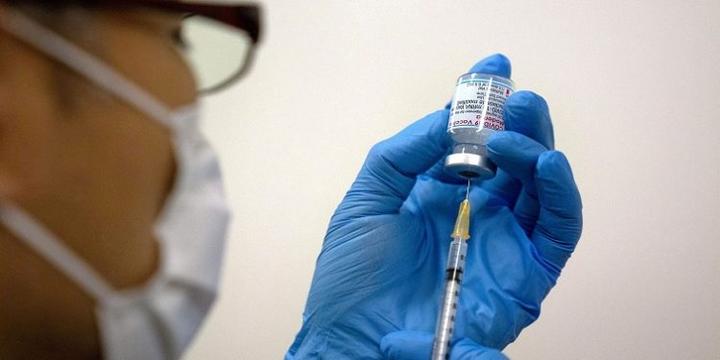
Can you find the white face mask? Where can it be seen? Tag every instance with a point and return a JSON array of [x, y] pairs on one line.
[[158, 320]]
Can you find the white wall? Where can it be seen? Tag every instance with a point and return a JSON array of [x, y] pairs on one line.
[[634, 89]]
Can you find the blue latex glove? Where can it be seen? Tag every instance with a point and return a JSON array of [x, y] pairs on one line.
[[379, 277]]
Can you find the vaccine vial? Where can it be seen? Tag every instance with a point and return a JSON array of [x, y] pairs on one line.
[[475, 114]]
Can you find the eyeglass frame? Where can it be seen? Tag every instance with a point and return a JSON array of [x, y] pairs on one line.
[[244, 17]]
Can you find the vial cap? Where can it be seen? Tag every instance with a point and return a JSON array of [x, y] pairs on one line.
[[469, 165]]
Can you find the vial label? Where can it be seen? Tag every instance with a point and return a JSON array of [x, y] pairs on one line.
[[478, 104]]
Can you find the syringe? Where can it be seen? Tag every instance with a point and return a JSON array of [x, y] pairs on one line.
[[454, 271]]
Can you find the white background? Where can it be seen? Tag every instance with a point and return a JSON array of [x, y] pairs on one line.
[[634, 90]]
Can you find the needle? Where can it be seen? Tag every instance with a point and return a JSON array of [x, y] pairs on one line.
[[467, 191]]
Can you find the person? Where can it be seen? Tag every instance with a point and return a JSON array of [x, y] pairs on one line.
[[112, 213], [111, 202]]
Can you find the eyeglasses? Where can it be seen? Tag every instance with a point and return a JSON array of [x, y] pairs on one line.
[[218, 41]]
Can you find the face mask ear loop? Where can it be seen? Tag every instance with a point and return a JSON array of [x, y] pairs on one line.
[[45, 243], [65, 52]]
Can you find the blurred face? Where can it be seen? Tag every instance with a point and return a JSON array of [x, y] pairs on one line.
[[64, 114], [85, 164]]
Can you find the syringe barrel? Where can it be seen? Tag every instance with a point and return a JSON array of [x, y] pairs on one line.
[[446, 320]]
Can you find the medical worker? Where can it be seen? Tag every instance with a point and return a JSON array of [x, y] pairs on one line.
[[113, 215]]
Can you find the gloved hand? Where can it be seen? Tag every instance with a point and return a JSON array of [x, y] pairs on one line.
[[418, 345], [379, 277]]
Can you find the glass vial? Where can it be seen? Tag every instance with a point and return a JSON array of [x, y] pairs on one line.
[[475, 114]]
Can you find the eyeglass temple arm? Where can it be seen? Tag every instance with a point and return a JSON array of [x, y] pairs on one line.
[[244, 17]]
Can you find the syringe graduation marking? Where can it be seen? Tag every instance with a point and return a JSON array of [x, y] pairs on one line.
[[454, 270]]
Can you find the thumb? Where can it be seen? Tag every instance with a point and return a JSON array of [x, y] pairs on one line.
[[392, 166], [417, 345]]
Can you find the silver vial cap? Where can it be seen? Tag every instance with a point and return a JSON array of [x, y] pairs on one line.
[[470, 165]]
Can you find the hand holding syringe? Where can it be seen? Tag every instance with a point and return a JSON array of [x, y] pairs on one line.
[[376, 287]]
